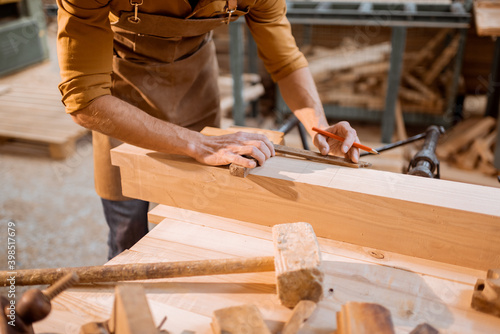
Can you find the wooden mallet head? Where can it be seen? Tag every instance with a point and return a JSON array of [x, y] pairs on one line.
[[297, 261]]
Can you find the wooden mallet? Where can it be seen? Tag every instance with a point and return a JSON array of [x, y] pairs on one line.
[[296, 262]]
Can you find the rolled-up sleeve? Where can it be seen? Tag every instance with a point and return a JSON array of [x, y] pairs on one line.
[[272, 32], [85, 51]]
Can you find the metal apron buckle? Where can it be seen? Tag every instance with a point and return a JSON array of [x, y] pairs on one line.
[[230, 9], [136, 4]]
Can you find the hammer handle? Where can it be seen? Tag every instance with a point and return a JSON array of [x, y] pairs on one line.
[[138, 271]]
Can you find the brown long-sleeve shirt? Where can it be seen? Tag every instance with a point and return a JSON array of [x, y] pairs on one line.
[[85, 40]]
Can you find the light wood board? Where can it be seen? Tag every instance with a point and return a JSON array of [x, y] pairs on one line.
[[433, 219], [414, 290], [487, 17], [36, 114]]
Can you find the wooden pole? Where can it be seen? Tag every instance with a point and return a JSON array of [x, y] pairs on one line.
[[138, 271]]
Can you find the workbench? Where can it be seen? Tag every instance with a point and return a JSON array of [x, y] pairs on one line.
[[398, 15], [419, 256], [414, 290]]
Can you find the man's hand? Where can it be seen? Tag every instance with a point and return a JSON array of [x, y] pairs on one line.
[[226, 149], [330, 145]]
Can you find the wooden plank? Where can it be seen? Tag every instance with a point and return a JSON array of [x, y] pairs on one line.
[[486, 14], [421, 217], [35, 114], [414, 290]]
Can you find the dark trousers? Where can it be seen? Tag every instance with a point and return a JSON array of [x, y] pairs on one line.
[[127, 221]]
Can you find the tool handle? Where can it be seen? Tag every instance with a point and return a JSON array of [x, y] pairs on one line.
[[137, 271], [334, 136]]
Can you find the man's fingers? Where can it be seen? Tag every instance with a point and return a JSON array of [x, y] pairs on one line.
[[260, 145], [254, 152], [239, 160], [322, 144]]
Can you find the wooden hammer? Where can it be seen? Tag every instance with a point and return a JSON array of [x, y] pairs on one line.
[[296, 262]]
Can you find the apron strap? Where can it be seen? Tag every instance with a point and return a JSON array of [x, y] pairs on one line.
[[231, 6]]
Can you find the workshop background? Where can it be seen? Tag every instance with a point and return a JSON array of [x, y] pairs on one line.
[[46, 163]]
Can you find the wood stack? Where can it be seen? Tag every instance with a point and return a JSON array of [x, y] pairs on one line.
[[252, 90], [356, 76], [469, 145]]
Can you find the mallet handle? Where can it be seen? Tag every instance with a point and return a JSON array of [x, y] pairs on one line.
[[138, 271]]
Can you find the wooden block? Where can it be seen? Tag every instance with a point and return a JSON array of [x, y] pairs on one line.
[[297, 263], [424, 329], [131, 314], [301, 313], [382, 210], [244, 319], [239, 171], [486, 296], [364, 318]]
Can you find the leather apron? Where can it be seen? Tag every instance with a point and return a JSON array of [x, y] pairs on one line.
[[166, 67]]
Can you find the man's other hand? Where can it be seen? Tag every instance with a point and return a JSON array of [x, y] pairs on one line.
[[335, 147]]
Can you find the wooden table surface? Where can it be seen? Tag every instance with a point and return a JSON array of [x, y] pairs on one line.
[[414, 290]]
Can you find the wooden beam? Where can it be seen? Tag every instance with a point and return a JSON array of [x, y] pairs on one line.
[[364, 318], [428, 218], [243, 319]]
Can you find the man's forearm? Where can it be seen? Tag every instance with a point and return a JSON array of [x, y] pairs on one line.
[[300, 94], [118, 119]]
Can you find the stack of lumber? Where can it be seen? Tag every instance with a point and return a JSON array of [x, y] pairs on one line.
[[356, 76], [252, 90], [34, 117], [469, 145]]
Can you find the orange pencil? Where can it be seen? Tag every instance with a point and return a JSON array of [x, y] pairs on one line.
[[331, 135]]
